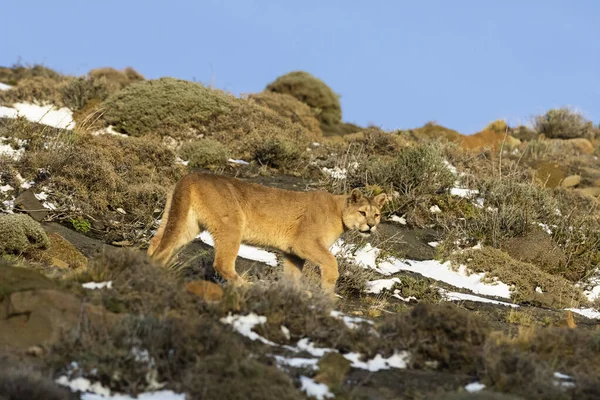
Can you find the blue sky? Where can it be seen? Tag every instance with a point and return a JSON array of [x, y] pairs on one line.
[[396, 64]]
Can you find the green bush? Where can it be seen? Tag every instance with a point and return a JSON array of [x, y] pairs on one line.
[[276, 152], [204, 153], [564, 123], [313, 92], [20, 233], [165, 106], [291, 108], [77, 92]]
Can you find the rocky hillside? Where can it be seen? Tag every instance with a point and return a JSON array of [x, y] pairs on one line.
[[482, 283]]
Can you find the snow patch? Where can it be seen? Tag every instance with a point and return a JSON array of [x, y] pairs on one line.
[[4, 86], [238, 162], [61, 118], [590, 313], [461, 278], [159, 395], [247, 252], [474, 387], [297, 362], [457, 296], [336, 172], [379, 285], [244, 324], [462, 192], [97, 285], [6, 188], [319, 391], [8, 151], [435, 209], [397, 360], [401, 220], [351, 322], [83, 385]]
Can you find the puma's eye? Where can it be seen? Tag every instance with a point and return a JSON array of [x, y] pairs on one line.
[[376, 215], [364, 214]]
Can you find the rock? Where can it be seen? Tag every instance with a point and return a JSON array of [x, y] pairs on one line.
[[31, 205], [571, 181], [35, 351], [60, 253], [549, 174], [34, 313], [208, 291], [333, 368], [98, 225], [591, 173], [122, 243], [581, 145]]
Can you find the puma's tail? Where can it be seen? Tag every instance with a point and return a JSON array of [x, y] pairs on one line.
[[163, 223]]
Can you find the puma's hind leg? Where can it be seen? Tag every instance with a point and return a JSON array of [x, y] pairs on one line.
[[227, 246]]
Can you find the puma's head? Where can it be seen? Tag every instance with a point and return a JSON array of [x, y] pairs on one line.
[[363, 213]]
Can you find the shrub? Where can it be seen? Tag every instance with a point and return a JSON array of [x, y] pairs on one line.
[[564, 123], [165, 106], [186, 109], [276, 152], [498, 125], [95, 175], [432, 131], [76, 93], [289, 107], [37, 89], [116, 79], [311, 91], [19, 233], [18, 72], [205, 153], [376, 141], [452, 337]]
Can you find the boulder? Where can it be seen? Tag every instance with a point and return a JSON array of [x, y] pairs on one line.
[[27, 202], [34, 312], [581, 145], [61, 254], [571, 181]]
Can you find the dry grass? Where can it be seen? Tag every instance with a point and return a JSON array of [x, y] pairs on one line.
[[416, 173], [13, 75], [445, 334], [526, 277], [92, 176]]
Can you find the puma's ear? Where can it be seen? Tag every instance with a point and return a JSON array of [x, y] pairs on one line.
[[380, 199], [355, 195]]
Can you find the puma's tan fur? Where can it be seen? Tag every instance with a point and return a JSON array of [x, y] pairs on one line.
[[302, 225]]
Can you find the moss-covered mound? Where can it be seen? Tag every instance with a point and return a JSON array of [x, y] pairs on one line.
[[289, 107], [313, 92]]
